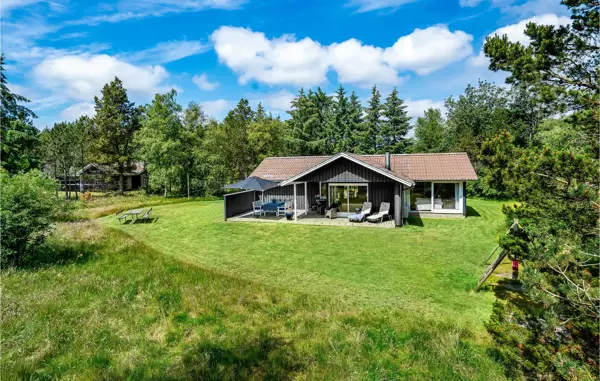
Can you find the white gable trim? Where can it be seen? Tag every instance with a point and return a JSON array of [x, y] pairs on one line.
[[409, 183]]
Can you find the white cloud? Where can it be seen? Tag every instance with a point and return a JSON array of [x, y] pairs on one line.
[[372, 5], [203, 83], [78, 109], [82, 76], [9, 5], [469, 3], [426, 50], [361, 64], [278, 61], [170, 51], [416, 108], [306, 62], [135, 9], [279, 101], [515, 33], [217, 108]]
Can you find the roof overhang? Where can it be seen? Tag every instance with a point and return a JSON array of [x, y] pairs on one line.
[[381, 171]]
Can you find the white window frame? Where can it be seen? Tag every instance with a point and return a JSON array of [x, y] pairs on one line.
[[329, 185], [459, 195]]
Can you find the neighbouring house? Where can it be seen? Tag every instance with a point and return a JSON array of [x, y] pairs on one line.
[[420, 184], [100, 177]]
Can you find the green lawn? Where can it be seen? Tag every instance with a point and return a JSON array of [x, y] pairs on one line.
[[193, 297], [427, 269]]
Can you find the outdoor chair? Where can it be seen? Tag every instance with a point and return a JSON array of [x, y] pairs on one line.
[[121, 217], [331, 213], [366, 208], [257, 208], [384, 212], [283, 208], [146, 216]]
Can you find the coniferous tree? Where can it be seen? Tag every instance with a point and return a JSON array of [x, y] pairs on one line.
[[115, 124], [371, 142], [340, 129], [19, 137], [239, 152], [355, 124], [396, 124], [193, 134], [298, 123], [319, 122]]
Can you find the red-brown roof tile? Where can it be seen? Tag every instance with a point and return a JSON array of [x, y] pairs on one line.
[[417, 167]]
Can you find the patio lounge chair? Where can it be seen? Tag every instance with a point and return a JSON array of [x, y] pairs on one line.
[[364, 212], [384, 212], [366, 208], [257, 208]]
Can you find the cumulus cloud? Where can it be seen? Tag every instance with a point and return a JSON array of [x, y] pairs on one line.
[[305, 62], [169, 51], [416, 108], [516, 33], [82, 76], [77, 110], [373, 5], [217, 108], [279, 101], [203, 83], [426, 50], [361, 64]]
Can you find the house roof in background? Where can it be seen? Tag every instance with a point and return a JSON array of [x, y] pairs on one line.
[[416, 167], [136, 168]]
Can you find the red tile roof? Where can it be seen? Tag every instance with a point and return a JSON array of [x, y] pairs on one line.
[[417, 167]]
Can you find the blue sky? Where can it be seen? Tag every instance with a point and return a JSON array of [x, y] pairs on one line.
[[61, 52]]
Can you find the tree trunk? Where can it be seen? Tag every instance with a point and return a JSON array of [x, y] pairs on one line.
[[165, 190], [188, 184]]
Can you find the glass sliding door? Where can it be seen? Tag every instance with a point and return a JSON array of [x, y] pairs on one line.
[[348, 197], [446, 196]]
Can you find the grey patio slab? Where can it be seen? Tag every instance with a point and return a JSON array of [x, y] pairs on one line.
[[312, 218]]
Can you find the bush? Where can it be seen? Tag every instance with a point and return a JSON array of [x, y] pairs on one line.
[[29, 206]]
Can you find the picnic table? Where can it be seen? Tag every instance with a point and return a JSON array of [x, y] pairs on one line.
[[133, 212]]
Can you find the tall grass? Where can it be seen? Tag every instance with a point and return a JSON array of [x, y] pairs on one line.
[[114, 308]]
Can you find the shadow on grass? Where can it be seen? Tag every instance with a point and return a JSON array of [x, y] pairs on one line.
[[259, 356], [472, 212], [415, 221]]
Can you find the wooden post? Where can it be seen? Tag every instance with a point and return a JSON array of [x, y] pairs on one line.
[[305, 198], [397, 204], [295, 204]]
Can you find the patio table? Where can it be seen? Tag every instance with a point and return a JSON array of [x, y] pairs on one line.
[[272, 206]]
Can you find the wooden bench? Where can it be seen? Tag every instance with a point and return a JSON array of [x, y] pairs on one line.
[[121, 217]]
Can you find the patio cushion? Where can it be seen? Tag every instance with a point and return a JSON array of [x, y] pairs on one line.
[[356, 217]]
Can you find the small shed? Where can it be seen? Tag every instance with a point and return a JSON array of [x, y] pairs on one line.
[[103, 177]]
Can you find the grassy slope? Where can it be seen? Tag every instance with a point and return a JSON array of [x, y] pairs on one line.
[[120, 309], [426, 269]]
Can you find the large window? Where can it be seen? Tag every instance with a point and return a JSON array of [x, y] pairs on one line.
[[348, 197], [420, 197], [445, 196]]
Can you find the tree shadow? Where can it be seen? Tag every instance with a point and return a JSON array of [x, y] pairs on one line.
[[259, 356], [472, 212], [146, 221], [506, 289]]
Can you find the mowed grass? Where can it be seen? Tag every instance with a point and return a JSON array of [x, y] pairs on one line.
[[428, 267], [192, 297]]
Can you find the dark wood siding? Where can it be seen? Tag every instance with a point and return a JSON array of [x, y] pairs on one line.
[[381, 192], [287, 193], [238, 203], [344, 171]]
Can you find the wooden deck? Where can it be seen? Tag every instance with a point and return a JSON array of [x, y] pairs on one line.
[[312, 218]]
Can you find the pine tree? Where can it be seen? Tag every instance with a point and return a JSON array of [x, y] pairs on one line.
[[239, 153], [318, 124], [371, 142], [355, 124], [115, 123], [340, 137], [298, 123], [429, 132], [396, 125]]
